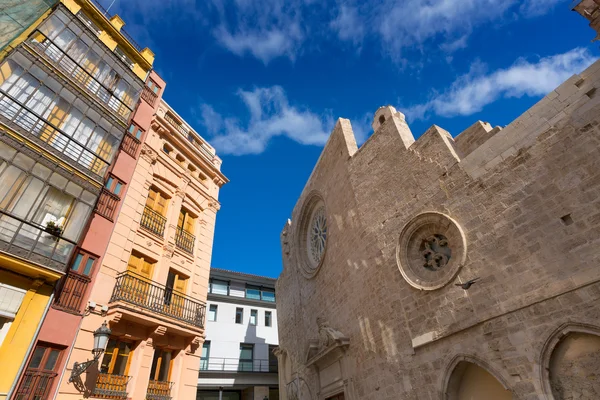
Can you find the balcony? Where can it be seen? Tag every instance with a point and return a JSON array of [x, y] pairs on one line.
[[130, 145], [189, 135], [218, 364], [149, 96], [84, 79], [107, 204], [49, 136], [185, 240], [35, 385], [34, 242], [109, 386], [135, 289], [158, 390], [153, 222], [72, 292]]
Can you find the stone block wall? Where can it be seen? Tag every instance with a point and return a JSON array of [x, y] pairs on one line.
[[526, 200]]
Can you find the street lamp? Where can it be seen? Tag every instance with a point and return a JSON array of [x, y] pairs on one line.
[[101, 336]]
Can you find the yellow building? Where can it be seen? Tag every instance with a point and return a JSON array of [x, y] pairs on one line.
[[70, 80]]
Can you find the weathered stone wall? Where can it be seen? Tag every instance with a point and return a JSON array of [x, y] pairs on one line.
[[527, 200]]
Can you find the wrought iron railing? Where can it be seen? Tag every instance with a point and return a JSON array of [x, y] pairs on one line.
[[35, 385], [130, 145], [149, 96], [109, 386], [185, 240], [72, 292], [237, 365], [189, 135], [81, 76], [135, 289], [107, 204], [153, 221], [34, 242], [158, 390], [49, 136]]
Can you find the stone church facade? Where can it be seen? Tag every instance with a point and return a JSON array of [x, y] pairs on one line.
[[377, 299]]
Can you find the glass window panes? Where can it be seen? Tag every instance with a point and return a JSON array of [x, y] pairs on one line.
[[252, 293], [219, 287], [51, 359], [246, 357], [268, 318], [268, 295], [36, 359], [253, 317], [239, 315], [212, 312]]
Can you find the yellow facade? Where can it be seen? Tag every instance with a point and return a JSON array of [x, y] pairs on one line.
[[23, 329], [32, 279]]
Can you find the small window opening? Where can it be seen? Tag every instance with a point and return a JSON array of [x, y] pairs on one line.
[[167, 149], [381, 119], [566, 219]]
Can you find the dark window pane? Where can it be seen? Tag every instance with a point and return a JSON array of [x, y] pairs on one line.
[[51, 360], [77, 262], [36, 359], [88, 266]]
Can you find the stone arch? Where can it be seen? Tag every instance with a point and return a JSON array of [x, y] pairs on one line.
[[468, 377], [570, 362]]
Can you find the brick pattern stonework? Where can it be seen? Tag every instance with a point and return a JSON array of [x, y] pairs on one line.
[[527, 198]]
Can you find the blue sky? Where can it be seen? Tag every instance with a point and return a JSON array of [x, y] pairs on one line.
[[264, 82]]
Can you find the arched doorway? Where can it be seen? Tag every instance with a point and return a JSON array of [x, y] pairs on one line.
[[575, 367], [469, 381]]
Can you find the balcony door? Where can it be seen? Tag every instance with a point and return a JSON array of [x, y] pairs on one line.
[[40, 374], [174, 295], [138, 286], [114, 369]]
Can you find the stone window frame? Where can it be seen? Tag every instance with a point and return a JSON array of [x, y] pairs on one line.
[[307, 268]]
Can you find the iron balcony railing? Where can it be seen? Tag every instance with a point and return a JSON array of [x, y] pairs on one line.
[[149, 96], [130, 145], [153, 222], [72, 292], [107, 204], [35, 385], [158, 390], [135, 289], [185, 240], [82, 77], [49, 136], [189, 135], [109, 386], [237, 365], [34, 242]]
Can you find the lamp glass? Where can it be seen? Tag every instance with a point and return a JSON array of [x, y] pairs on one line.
[[101, 336]]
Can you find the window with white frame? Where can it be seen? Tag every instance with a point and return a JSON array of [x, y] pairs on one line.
[[212, 312], [10, 301]]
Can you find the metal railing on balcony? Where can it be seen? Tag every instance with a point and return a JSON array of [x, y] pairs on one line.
[[189, 135], [72, 292], [35, 385], [158, 390], [130, 145], [109, 386], [49, 136], [185, 240], [153, 222], [237, 365], [135, 289], [81, 76], [149, 96], [107, 204], [34, 242]]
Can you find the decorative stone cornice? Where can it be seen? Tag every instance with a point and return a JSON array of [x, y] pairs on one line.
[[148, 154], [330, 345]]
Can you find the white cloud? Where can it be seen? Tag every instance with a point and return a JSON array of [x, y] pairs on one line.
[[271, 115], [469, 93], [348, 25]]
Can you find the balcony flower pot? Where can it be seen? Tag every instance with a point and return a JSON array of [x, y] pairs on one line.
[[53, 229]]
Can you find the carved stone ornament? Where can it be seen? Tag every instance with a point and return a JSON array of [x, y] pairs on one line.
[[148, 154], [331, 343], [286, 237], [168, 250], [311, 236], [432, 248]]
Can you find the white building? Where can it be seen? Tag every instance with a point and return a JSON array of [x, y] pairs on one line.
[[241, 333]]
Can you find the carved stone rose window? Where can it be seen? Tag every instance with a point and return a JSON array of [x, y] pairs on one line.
[[312, 236], [431, 250]]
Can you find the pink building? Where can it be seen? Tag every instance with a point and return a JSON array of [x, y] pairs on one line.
[[152, 280]]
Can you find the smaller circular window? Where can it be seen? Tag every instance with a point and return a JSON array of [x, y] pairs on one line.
[[312, 236], [431, 250]]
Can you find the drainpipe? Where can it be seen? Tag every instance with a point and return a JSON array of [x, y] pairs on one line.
[[221, 393], [64, 370], [37, 331]]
